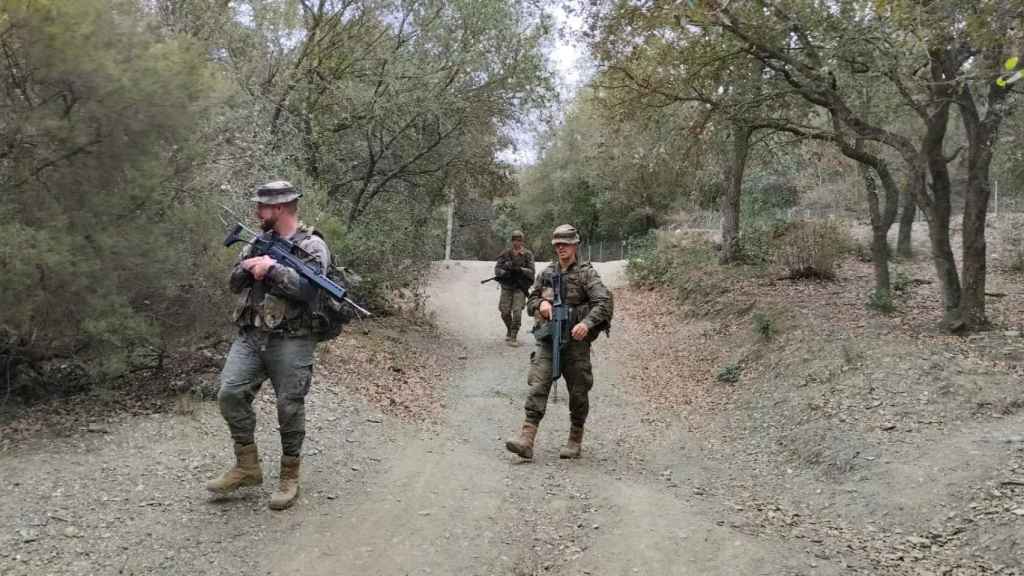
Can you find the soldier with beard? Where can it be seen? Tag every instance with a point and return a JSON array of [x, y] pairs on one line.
[[274, 340]]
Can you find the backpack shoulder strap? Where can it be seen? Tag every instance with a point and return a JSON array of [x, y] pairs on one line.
[[301, 235]]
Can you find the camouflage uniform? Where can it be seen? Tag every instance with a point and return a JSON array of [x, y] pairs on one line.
[[515, 274], [274, 340], [590, 303], [274, 336]]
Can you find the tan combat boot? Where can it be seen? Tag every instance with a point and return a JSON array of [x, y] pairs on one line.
[[523, 446], [288, 489], [572, 447], [246, 472]]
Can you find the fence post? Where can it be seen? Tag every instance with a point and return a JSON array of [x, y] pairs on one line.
[[995, 194], [450, 226]]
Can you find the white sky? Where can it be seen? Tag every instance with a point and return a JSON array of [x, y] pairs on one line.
[[567, 59], [567, 54]]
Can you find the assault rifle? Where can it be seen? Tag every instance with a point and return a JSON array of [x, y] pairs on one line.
[[281, 250], [518, 276], [559, 325]]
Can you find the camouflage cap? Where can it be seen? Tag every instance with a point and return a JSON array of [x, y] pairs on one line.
[[276, 192], [565, 234], [517, 235]]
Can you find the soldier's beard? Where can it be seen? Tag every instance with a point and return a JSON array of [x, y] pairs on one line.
[[267, 225]]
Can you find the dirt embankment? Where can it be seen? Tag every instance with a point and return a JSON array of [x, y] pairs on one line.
[[873, 438]]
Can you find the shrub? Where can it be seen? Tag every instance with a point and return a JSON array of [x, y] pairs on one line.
[[812, 249], [729, 374], [758, 240], [881, 301], [666, 259], [901, 282], [764, 327], [764, 205]]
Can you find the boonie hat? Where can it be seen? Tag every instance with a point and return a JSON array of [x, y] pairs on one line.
[[276, 192], [565, 234]]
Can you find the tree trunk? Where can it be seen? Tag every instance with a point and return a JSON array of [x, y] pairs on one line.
[[972, 303], [730, 200], [879, 233], [881, 218], [938, 230], [981, 135], [942, 256], [937, 204], [908, 209]]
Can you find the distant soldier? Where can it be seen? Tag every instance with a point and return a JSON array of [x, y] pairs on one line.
[[590, 313], [514, 270], [274, 340]]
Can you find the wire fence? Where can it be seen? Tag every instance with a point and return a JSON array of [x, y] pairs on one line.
[[605, 250]]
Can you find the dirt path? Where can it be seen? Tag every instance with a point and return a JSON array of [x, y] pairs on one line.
[[125, 496], [452, 501]]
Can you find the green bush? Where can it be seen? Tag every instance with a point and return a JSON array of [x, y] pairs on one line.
[[764, 327], [812, 249], [108, 247], [729, 374], [758, 240], [767, 198], [901, 282], [881, 301], [764, 205], [391, 252], [667, 260]]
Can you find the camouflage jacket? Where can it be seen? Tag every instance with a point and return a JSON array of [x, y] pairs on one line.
[[515, 271], [589, 299], [281, 301]]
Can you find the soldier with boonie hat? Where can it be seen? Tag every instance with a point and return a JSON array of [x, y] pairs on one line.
[[275, 340]]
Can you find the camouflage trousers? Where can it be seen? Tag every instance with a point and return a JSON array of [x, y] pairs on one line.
[[511, 304], [579, 378], [254, 356]]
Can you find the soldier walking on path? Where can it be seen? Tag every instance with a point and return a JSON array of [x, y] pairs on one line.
[[274, 339], [590, 313], [514, 271]]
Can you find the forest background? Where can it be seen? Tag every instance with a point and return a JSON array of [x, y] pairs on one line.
[[133, 129]]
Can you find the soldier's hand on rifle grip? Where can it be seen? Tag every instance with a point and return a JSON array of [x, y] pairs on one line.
[[580, 331], [545, 310], [258, 266]]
